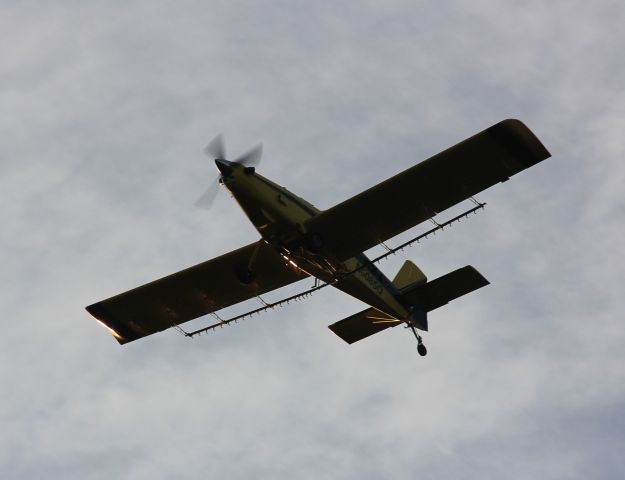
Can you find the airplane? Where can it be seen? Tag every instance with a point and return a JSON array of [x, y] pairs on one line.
[[299, 241]]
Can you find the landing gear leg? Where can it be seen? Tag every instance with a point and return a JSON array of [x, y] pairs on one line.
[[244, 273], [420, 347], [314, 243]]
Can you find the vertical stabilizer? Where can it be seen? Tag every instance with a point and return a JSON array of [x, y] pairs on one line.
[[409, 274]]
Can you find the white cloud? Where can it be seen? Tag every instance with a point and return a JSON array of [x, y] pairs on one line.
[[105, 111]]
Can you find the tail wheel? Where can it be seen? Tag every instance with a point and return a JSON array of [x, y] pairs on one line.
[[420, 347]]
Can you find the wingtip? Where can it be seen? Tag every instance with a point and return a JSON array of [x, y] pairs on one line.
[[119, 333], [516, 134]]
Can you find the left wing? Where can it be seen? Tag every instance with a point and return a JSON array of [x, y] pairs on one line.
[[416, 194], [191, 293]]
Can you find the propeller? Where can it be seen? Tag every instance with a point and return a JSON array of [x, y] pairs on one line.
[[252, 157], [216, 148], [208, 197], [217, 151]]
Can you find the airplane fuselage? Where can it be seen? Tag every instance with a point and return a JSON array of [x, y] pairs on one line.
[[280, 217]]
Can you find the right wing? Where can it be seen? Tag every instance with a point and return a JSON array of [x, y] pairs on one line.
[[417, 194], [191, 293]]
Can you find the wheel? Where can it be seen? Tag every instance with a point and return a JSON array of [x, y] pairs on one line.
[[314, 243], [245, 275], [422, 350]]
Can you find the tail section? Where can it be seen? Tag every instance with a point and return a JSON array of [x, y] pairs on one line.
[[418, 296]]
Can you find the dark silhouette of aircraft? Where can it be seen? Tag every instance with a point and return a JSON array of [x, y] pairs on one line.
[[298, 241]]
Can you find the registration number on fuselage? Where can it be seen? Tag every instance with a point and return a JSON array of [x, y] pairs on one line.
[[369, 277]]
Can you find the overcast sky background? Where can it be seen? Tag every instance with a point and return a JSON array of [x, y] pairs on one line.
[[104, 110]]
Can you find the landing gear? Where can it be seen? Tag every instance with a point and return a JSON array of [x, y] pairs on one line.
[[420, 347], [245, 275], [314, 243]]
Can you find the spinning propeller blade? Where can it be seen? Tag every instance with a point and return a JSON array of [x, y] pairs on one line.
[[252, 157], [208, 197], [217, 151], [216, 148]]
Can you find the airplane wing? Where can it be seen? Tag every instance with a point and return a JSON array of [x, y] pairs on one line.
[[191, 293], [417, 194]]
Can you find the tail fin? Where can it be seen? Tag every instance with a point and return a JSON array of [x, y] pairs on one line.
[[409, 274]]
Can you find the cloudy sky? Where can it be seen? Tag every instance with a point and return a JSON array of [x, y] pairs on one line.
[[104, 110]]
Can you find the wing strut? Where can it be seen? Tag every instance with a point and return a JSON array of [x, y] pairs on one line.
[[318, 286]]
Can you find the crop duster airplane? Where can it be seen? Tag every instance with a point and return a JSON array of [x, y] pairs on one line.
[[298, 241]]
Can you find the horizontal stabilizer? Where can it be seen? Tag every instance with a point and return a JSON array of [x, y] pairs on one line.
[[444, 289], [363, 324]]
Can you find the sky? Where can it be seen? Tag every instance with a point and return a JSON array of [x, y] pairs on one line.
[[105, 109]]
